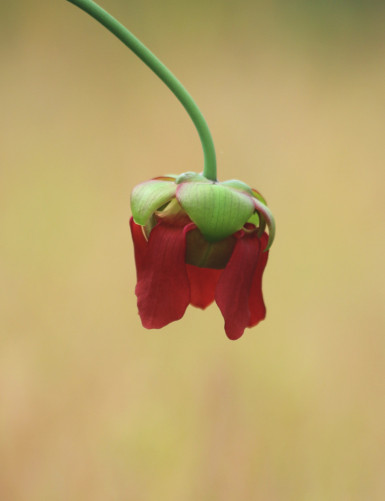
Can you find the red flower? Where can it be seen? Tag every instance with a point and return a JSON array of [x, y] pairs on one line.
[[169, 278], [197, 241]]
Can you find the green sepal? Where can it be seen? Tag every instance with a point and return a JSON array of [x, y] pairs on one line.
[[217, 211], [166, 177], [258, 196], [147, 197], [262, 226], [238, 185], [267, 216], [254, 219], [188, 177]]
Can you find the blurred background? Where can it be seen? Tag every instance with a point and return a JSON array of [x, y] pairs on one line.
[[93, 406]]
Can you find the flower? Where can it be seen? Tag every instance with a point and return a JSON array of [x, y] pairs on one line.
[[197, 241]]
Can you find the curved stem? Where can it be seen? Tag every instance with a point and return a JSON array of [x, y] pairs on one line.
[[164, 74]]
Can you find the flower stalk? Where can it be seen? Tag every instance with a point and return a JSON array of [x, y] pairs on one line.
[[121, 32]]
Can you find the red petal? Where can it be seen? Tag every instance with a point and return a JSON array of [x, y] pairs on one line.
[[202, 285], [140, 244], [232, 293], [256, 303], [163, 288]]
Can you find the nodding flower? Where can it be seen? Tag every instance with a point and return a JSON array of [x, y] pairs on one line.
[[196, 241]]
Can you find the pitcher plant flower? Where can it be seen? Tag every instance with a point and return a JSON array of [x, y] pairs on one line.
[[196, 240]]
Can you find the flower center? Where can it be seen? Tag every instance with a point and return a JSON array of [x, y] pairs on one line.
[[204, 254]]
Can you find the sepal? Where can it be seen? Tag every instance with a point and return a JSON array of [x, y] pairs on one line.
[[266, 217], [218, 211], [149, 196]]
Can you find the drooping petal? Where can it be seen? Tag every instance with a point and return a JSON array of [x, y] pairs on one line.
[[148, 196], [256, 304], [163, 288], [140, 244], [218, 211], [202, 285], [233, 287]]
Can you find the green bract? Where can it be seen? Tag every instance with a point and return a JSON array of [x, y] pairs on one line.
[[218, 209], [147, 197]]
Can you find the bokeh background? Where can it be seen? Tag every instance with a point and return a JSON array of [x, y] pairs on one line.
[[93, 406]]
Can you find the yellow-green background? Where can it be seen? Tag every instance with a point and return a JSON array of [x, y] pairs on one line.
[[93, 406]]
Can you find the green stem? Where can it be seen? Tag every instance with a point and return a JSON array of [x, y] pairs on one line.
[[164, 74]]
